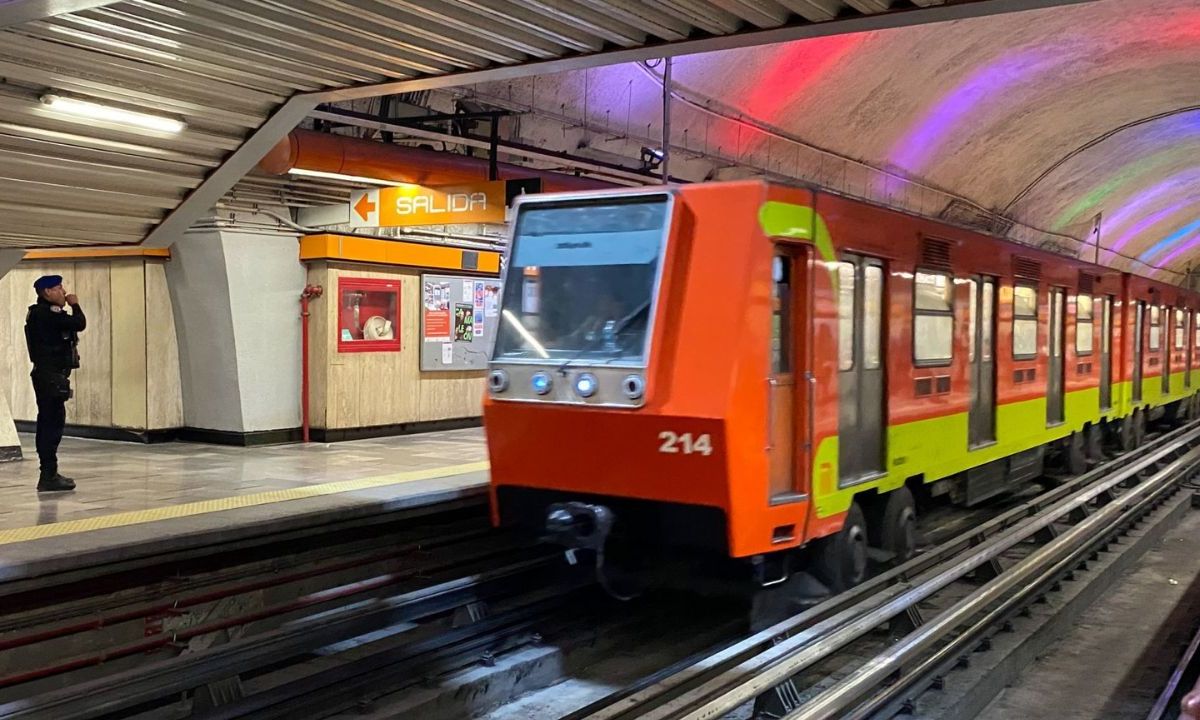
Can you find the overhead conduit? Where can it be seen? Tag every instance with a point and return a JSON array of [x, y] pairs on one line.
[[325, 152]]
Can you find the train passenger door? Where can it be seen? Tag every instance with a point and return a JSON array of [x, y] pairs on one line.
[[1139, 324], [981, 320], [788, 401], [861, 361], [1189, 329], [1106, 353], [1160, 342], [1054, 383]]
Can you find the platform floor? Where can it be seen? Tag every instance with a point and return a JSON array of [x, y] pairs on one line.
[[129, 493]]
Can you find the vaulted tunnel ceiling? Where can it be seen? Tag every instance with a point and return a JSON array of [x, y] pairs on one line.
[[1048, 117], [241, 73]]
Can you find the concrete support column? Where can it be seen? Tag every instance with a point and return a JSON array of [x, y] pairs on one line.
[[10, 444], [235, 294]]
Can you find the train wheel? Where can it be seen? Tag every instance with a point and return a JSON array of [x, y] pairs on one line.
[[1095, 443], [900, 525], [841, 561], [1076, 454]]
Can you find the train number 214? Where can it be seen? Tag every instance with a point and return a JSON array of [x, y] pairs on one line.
[[674, 443]]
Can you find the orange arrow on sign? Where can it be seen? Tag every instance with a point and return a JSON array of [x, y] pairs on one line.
[[364, 207]]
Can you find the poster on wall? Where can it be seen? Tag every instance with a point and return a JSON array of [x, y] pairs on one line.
[[435, 320], [491, 299], [458, 321], [464, 323]]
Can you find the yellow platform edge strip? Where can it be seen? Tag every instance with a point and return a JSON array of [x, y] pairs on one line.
[[202, 507]]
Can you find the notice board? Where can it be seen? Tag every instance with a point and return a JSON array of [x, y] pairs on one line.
[[459, 317]]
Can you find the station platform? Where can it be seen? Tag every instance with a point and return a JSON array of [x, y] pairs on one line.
[[137, 500]]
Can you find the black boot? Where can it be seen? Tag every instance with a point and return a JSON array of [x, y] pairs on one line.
[[55, 483]]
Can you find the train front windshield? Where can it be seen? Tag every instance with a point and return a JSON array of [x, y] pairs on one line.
[[581, 280]]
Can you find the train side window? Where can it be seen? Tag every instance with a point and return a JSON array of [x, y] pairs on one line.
[[1085, 328], [781, 322], [845, 316], [933, 319], [1025, 307], [872, 315], [1196, 324], [1155, 327], [1180, 329]]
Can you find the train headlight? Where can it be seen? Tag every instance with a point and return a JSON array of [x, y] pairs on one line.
[[541, 383], [498, 381], [633, 386], [585, 385]]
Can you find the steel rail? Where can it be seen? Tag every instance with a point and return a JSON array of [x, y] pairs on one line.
[[880, 599], [130, 688], [1011, 589], [789, 657]]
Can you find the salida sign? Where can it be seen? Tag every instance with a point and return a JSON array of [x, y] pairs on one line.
[[409, 205]]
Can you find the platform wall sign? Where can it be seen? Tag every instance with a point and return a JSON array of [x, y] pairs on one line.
[[411, 205], [459, 316]]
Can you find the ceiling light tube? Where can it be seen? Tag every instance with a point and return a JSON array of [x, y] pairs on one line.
[[348, 178], [96, 111]]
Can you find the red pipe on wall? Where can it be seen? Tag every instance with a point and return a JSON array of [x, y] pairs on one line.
[[325, 152], [310, 291]]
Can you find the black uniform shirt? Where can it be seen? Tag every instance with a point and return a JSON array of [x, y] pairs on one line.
[[50, 335]]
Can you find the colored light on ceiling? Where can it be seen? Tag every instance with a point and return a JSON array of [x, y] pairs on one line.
[[1188, 246], [1146, 223], [1127, 175], [1169, 241], [1158, 145], [985, 87], [1134, 206], [788, 77]]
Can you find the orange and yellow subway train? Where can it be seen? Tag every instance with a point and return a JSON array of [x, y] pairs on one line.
[[753, 368]]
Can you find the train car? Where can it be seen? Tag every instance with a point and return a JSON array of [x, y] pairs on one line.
[[750, 369]]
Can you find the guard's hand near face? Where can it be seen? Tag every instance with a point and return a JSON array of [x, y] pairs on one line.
[[72, 299]]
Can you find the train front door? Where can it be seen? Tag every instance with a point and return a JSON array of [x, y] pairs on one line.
[[981, 310], [1106, 353], [789, 421], [1054, 381], [862, 414]]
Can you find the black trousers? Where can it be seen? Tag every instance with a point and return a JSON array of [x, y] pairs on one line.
[[51, 417]]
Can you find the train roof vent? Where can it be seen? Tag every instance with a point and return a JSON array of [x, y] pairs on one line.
[[935, 254], [1087, 282], [963, 213], [1027, 269]]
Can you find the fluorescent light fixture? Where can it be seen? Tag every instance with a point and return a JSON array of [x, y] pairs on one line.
[[348, 178], [96, 111]]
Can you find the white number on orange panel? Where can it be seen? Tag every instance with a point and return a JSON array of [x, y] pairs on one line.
[[673, 443]]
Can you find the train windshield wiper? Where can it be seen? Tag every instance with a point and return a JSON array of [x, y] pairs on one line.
[[617, 327]]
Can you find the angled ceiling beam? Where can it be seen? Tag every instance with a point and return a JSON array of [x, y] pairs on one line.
[[15, 12], [294, 110], [960, 10]]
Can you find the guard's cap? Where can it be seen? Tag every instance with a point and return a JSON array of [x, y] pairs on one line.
[[47, 281]]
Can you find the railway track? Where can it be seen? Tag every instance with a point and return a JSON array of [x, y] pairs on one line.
[[258, 634], [873, 651]]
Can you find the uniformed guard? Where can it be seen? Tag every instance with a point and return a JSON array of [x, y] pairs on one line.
[[51, 334]]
